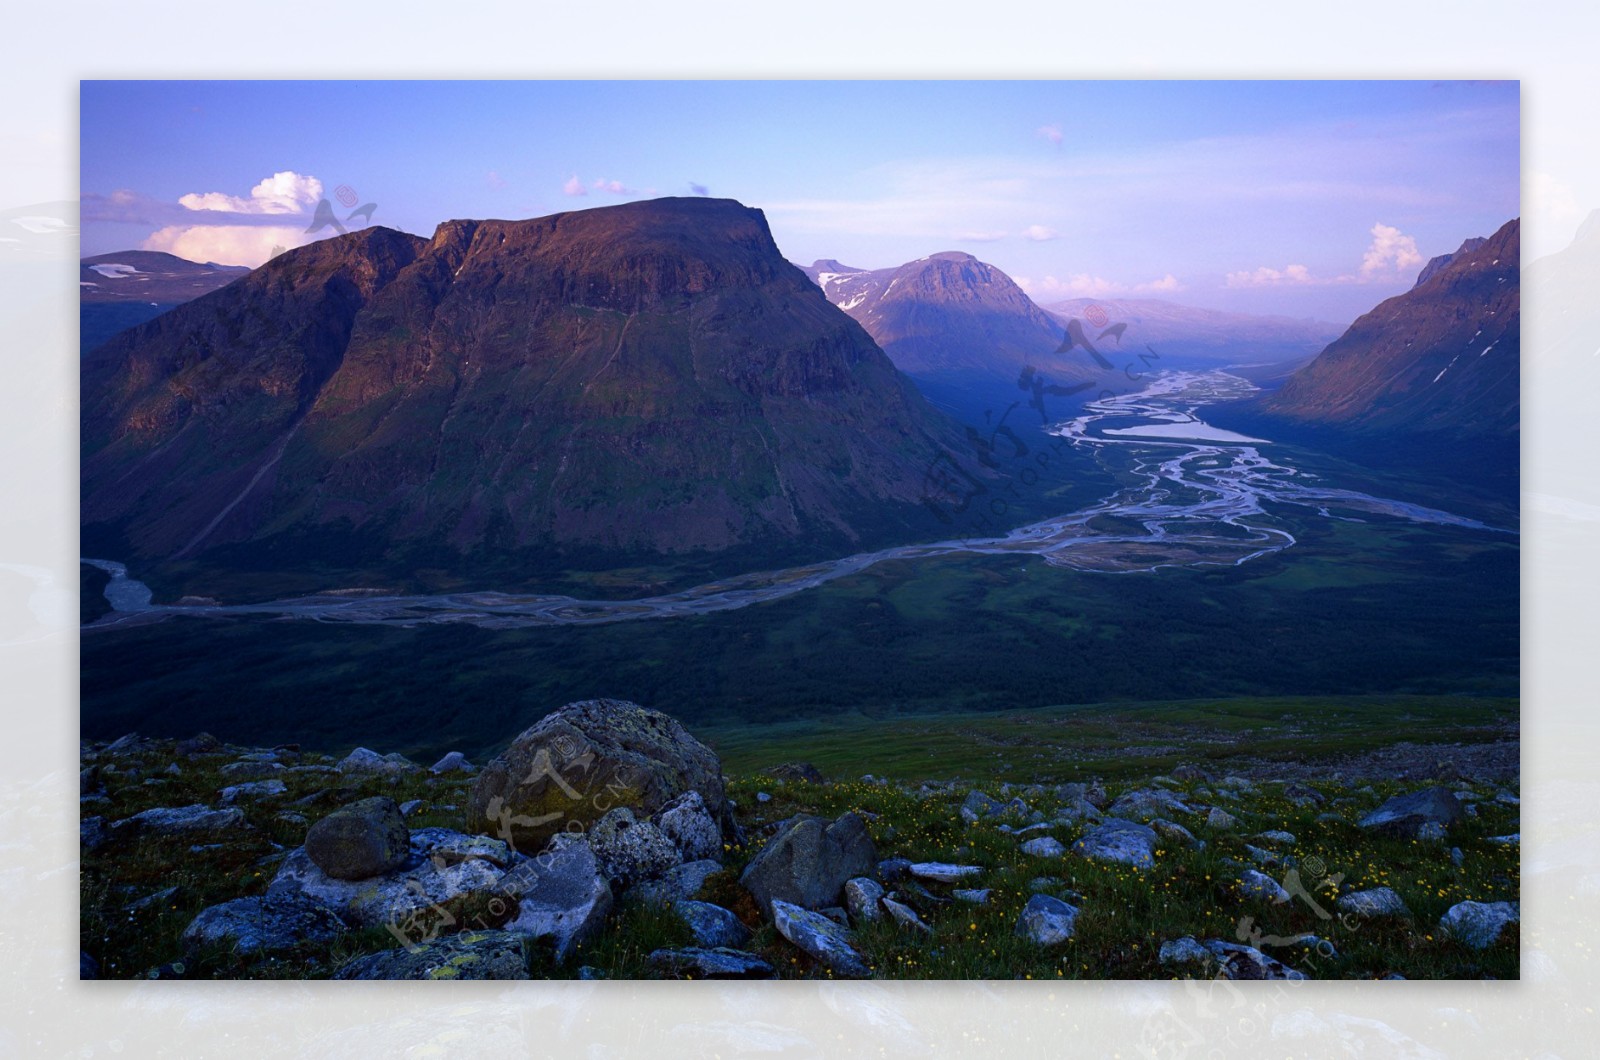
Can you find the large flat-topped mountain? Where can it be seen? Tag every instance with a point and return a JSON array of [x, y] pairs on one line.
[[647, 378]]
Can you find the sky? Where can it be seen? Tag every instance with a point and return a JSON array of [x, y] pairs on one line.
[[1307, 199]]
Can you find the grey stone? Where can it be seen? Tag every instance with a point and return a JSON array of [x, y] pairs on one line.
[[469, 955], [905, 916], [836, 914], [763, 797], [1246, 962], [680, 881], [123, 743], [942, 872], [1259, 885], [250, 770], [1431, 832], [361, 840], [454, 762], [273, 924], [1221, 819], [1514, 839], [1262, 857], [1404, 815], [977, 806], [421, 890], [182, 820], [199, 744], [448, 847], [893, 870], [563, 896], [1119, 841], [255, 789], [629, 849], [1173, 832], [1374, 901], [1185, 950], [819, 938], [1047, 921], [1043, 847], [809, 860], [974, 896], [862, 897], [686, 821], [1479, 924], [1279, 837], [410, 807], [701, 963], [1301, 795], [711, 925], [1147, 802], [607, 753]]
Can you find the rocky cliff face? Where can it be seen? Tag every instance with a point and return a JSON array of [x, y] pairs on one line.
[[647, 378], [1441, 359]]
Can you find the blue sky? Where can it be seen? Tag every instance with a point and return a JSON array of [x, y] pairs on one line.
[[1303, 198]]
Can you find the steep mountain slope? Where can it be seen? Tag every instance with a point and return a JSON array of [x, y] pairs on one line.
[[1441, 359], [645, 379], [950, 316], [1174, 330]]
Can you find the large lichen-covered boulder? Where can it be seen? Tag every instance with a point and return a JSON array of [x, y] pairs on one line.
[[584, 760], [361, 840]]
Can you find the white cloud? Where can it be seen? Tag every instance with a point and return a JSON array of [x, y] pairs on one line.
[[1265, 277], [1087, 285], [1391, 251], [1051, 133], [225, 244], [287, 192], [615, 187], [1039, 233], [979, 237], [574, 186]]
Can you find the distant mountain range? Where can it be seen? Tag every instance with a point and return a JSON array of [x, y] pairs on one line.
[[645, 379], [127, 287], [950, 319], [1173, 330]]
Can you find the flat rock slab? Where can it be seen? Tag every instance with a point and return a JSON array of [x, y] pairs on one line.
[[942, 872], [470, 955], [1148, 802], [181, 820], [1047, 921], [696, 962], [1235, 961], [264, 925], [1120, 841], [819, 938], [1374, 901], [905, 916]]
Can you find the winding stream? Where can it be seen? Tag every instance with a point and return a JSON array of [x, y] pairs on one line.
[[1196, 499]]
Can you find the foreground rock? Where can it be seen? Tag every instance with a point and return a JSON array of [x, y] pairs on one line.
[[1406, 816], [471, 955], [454, 762], [422, 888], [1148, 802], [1235, 961], [364, 839], [1375, 901], [585, 759], [563, 895], [1256, 884], [629, 849], [1046, 920], [717, 963], [808, 862], [680, 881], [1119, 841], [861, 899], [711, 925], [819, 938], [1479, 924], [690, 825], [942, 872], [1043, 847], [264, 925]]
